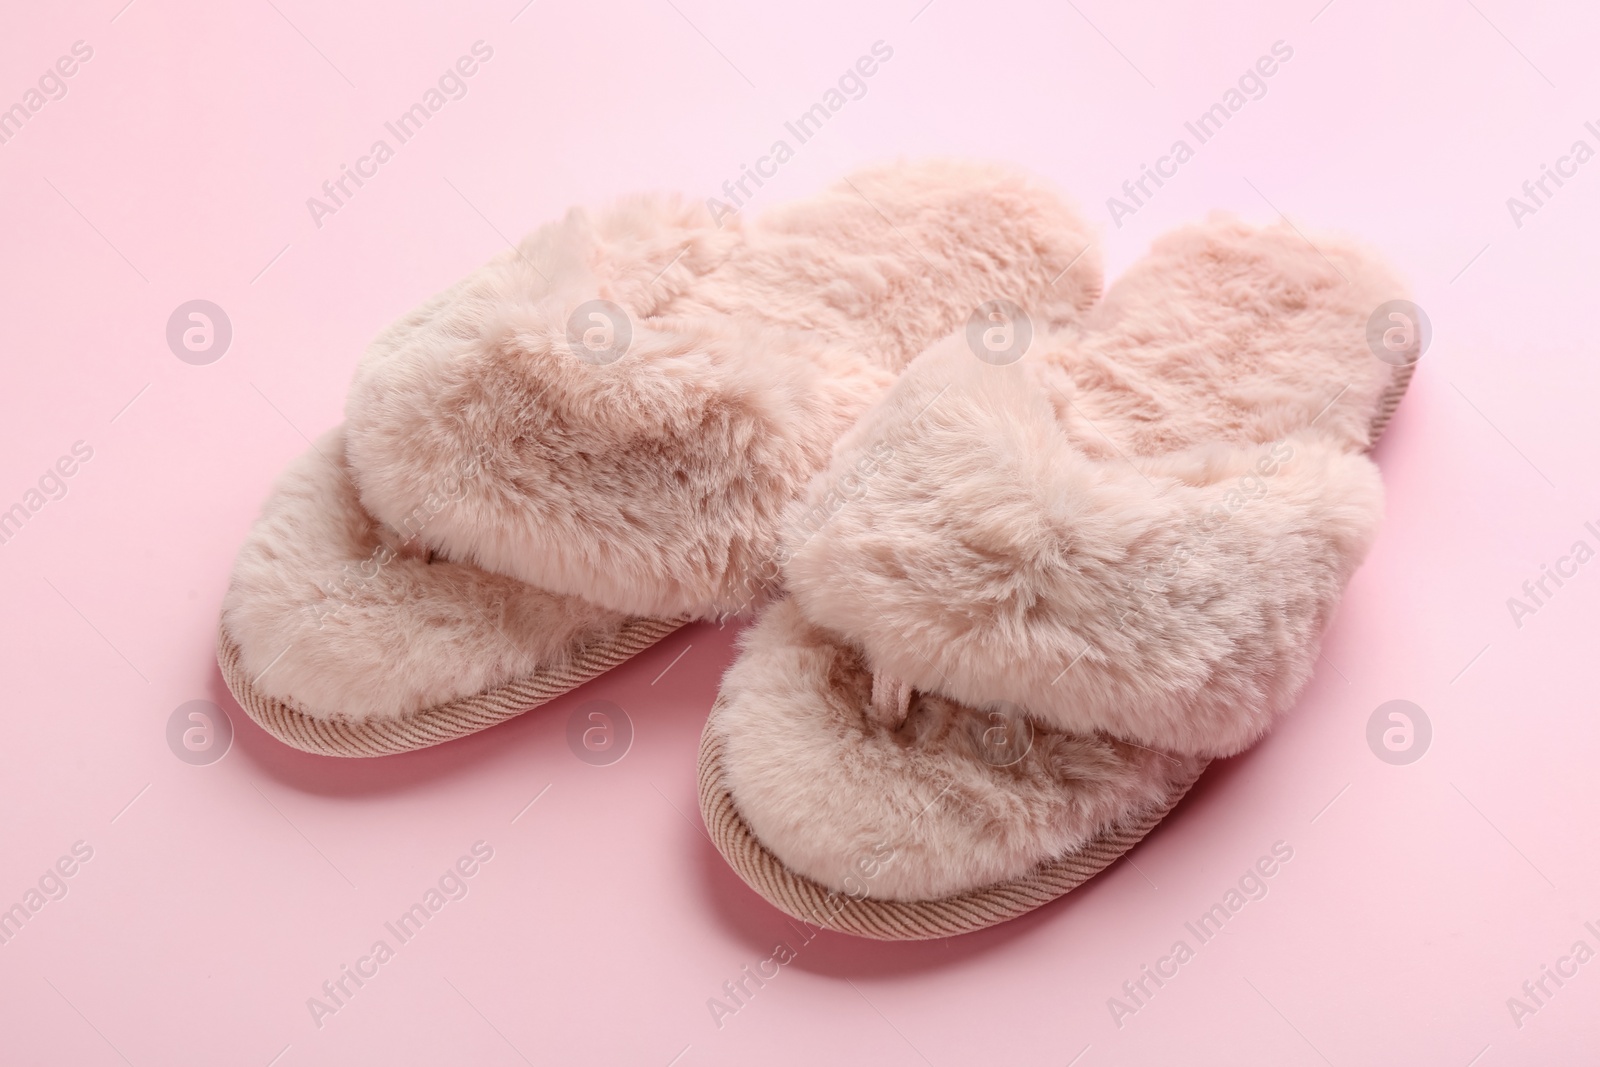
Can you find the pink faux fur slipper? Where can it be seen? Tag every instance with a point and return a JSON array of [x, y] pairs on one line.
[[592, 439], [1030, 599]]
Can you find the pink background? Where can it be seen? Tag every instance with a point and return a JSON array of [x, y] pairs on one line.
[[220, 897]]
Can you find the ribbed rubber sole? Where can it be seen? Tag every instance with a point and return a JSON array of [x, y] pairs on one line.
[[443, 722], [893, 920]]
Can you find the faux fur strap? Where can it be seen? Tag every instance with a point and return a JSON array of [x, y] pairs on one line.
[[968, 546], [558, 421], [621, 408]]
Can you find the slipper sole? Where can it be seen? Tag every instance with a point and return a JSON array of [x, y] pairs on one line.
[[897, 920], [442, 722], [960, 913]]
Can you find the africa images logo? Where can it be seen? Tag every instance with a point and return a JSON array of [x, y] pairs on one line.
[[851, 85], [452, 885], [1253, 885], [450, 85], [1251, 85]]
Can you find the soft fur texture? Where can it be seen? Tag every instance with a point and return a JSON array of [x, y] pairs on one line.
[[494, 503], [346, 620], [1175, 602], [1137, 534], [1226, 332], [911, 813], [654, 485]]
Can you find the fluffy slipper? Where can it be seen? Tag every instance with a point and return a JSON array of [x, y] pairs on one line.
[[592, 439], [1030, 600]]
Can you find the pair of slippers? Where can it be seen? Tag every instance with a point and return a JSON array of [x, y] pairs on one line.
[[1023, 559]]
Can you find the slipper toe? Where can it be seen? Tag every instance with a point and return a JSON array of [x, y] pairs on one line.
[[333, 618], [950, 800]]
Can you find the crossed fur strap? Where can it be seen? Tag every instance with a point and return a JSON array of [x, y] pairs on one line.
[[1176, 604]]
